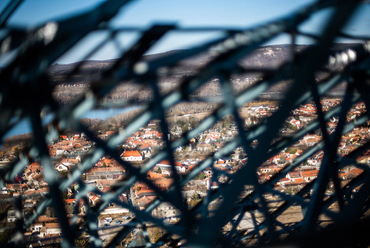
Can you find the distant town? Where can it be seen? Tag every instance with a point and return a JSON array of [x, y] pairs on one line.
[[68, 151]]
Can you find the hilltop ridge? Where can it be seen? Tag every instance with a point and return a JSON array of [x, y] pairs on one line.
[[265, 57]]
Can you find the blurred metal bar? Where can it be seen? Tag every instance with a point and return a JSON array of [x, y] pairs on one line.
[[8, 11]]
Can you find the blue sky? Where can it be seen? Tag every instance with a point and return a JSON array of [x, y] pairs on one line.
[[190, 13]]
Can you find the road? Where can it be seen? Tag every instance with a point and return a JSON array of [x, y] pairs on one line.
[[129, 200], [107, 233]]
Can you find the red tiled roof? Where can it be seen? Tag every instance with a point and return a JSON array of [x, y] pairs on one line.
[[131, 154], [356, 171], [69, 201], [167, 162], [52, 225], [299, 180], [310, 173]]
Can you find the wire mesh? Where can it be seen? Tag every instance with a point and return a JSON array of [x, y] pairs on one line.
[[244, 193]]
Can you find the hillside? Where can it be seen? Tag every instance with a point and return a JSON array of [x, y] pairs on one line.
[[268, 57]]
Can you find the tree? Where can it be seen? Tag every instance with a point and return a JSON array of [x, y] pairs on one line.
[[155, 233], [82, 241], [293, 151], [6, 235], [65, 195], [282, 160], [226, 123], [200, 176], [195, 198], [184, 128], [194, 122]]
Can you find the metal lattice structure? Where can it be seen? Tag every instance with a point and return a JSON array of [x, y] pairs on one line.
[[25, 80]]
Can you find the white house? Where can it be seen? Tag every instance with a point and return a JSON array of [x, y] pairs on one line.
[[62, 167], [131, 156]]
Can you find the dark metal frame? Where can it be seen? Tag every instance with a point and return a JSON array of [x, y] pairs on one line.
[[25, 76]]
